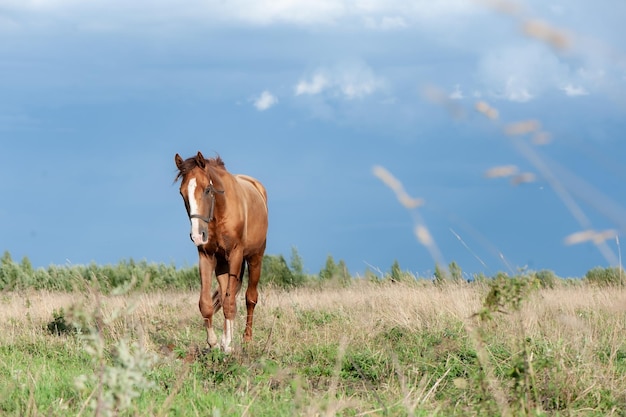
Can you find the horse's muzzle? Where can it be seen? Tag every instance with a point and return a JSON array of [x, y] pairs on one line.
[[201, 237]]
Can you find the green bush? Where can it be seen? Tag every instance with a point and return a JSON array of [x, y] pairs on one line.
[[396, 274], [605, 277], [456, 274], [507, 293], [131, 274], [453, 274], [276, 272], [546, 278], [144, 275], [337, 272]]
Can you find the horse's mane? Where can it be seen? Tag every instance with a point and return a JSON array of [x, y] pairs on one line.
[[193, 162]]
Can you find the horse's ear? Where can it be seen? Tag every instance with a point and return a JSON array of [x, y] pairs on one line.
[[178, 160], [200, 160]]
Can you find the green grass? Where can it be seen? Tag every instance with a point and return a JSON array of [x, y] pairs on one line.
[[367, 349], [38, 376]]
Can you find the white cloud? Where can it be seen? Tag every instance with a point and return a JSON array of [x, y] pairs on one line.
[[274, 11], [517, 89], [265, 101], [385, 23], [595, 75], [574, 91], [357, 85], [378, 14], [353, 80], [357, 89], [457, 94], [521, 73], [318, 83]]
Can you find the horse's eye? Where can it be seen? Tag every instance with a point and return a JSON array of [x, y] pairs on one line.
[[207, 190]]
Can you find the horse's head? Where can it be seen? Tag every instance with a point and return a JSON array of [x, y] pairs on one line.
[[198, 191]]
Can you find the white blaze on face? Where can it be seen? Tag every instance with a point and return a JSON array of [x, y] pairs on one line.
[[193, 209]]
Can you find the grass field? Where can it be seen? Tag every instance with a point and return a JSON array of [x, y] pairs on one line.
[[363, 349]]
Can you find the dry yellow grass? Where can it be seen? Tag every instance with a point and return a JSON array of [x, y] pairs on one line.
[[566, 312]]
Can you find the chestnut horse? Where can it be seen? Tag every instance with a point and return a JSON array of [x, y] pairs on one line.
[[228, 215]]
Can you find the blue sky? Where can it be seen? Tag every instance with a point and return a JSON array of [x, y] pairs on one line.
[[309, 96]]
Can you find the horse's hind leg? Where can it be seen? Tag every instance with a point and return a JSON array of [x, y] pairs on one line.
[[217, 300], [252, 294], [221, 270]]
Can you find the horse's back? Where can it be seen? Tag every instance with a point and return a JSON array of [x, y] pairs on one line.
[[246, 181], [256, 220]]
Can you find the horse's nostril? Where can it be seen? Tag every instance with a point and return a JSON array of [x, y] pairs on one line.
[[191, 237], [204, 237]]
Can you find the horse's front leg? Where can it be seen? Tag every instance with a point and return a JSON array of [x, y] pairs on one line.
[[206, 264], [229, 304]]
